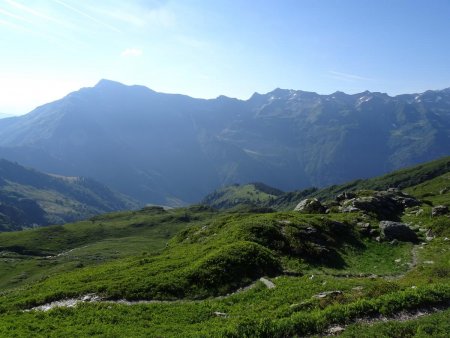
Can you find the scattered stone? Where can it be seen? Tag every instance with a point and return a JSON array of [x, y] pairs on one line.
[[334, 330], [409, 202], [396, 230], [220, 314], [446, 239], [269, 284], [358, 288], [374, 232], [348, 209], [345, 196], [439, 210], [429, 235], [364, 228], [393, 242], [71, 302], [312, 277], [328, 293], [419, 212], [428, 262], [398, 260], [310, 230], [444, 191], [393, 190], [310, 205], [90, 298], [378, 239], [413, 287]]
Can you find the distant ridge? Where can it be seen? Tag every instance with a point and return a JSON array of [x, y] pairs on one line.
[[29, 198], [173, 149]]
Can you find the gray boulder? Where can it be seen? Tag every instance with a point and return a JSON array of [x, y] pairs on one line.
[[311, 206], [396, 230], [345, 196], [439, 210], [444, 191], [385, 204]]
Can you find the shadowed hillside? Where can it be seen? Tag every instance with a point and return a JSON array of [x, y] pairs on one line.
[[30, 198]]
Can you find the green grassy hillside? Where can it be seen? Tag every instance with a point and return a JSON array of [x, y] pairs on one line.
[[401, 179], [196, 272], [253, 194], [29, 198]]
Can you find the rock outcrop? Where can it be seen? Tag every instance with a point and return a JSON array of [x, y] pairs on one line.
[[310, 206], [385, 204], [396, 230], [439, 210]]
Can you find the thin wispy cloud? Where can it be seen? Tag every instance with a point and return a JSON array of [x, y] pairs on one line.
[[45, 22], [86, 15], [14, 26], [33, 12], [348, 77], [132, 52], [14, 16], [143, 17]]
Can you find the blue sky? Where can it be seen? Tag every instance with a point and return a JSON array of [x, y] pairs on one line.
[[208, 48]]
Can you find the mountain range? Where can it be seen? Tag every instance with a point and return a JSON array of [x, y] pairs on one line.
[[173, 149], [30, 198]]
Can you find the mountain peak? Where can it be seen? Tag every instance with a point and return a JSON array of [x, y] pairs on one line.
[[104, 83]]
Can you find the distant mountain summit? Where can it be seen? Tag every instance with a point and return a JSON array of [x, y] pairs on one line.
[[173, 149]]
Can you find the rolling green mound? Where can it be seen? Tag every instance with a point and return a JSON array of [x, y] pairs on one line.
[[253, 194], [199, 272]]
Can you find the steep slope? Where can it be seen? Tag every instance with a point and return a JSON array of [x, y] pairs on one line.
[[31, 198], [173, 149]]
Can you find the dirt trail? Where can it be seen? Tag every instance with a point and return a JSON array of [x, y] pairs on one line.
[[399, 317], [92, 298], [412, 265]]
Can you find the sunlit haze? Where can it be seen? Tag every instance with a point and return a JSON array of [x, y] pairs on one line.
[[209, 48]]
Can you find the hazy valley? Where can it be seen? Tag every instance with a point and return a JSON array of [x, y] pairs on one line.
[[173, 149]]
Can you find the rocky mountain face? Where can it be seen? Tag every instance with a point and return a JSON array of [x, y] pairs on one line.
[[30, 198], [173, 149]]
